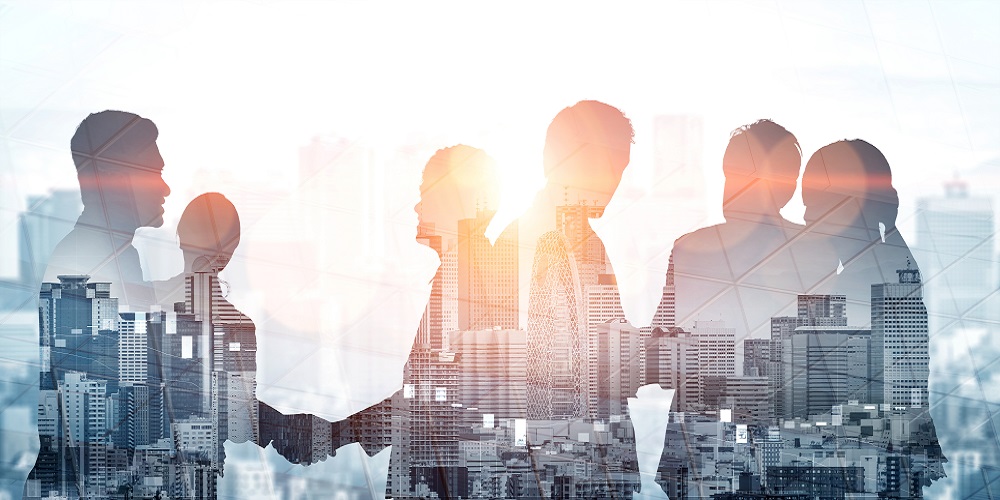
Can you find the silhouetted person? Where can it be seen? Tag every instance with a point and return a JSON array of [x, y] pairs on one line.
[[119, 168], [740, 271], [208, 234], [121, 185], [851, 247], [420, 423], [851, 239], [587, 149]]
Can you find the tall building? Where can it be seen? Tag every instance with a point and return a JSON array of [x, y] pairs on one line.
[[133, 348], [959, 265], [430, 331], [492, 372], [666, 311], [79, 345], [603, 303], [672, 362], [433, 405], [603, 306], [487, 275], [557, 343], [141, 417], [716, 350], [616, 370], [182, 363], [770, 446], [747, 397], [573, 221], [822, 310], [756, 357], [824, 366], [78, 330], [223, 328], [449, 287], [813, 310], [899, 360], [955, 237], [84, 403]]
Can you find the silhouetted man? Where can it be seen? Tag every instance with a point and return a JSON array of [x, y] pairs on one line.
[[739, 272], [851, 247], [121, 185], [572, 378], [420, 421], [119, 168]]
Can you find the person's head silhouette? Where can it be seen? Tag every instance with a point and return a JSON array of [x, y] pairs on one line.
[[120, 171], [761, 165], [587, 147], [209, 232], [456, 181], [849, 184]]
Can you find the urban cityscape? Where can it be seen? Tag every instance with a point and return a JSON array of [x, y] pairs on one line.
[[819, 411], [139, 403]]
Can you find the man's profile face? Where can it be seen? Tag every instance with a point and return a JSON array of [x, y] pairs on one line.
[[148, 189]]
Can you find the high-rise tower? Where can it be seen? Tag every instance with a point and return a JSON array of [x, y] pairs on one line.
[[557, 343], [487, 276], [899, 355]]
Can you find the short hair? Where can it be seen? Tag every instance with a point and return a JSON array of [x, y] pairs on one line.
[[113, 137], [588, 123], [764, 150], [210, 223]]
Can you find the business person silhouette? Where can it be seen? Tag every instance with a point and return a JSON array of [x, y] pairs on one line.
[[93, 270]]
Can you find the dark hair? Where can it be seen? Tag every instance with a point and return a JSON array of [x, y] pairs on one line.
[[210, 223], [113, 137], [848, 169], [588, 122], [751, 144]]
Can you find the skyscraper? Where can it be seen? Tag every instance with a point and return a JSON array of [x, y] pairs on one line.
[[492, 372], [813, 310], [573, 221], [223, 329], [557, 343], [449, 287], [430, 401], [822, 310], [603, 303], [430, 331], [824, 366], [957, 254], [716, 349], [899, 360], [487, 275], [78, 330], [666, 311], [672, 362], [756, 357], [616, 372], [955, 240]]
